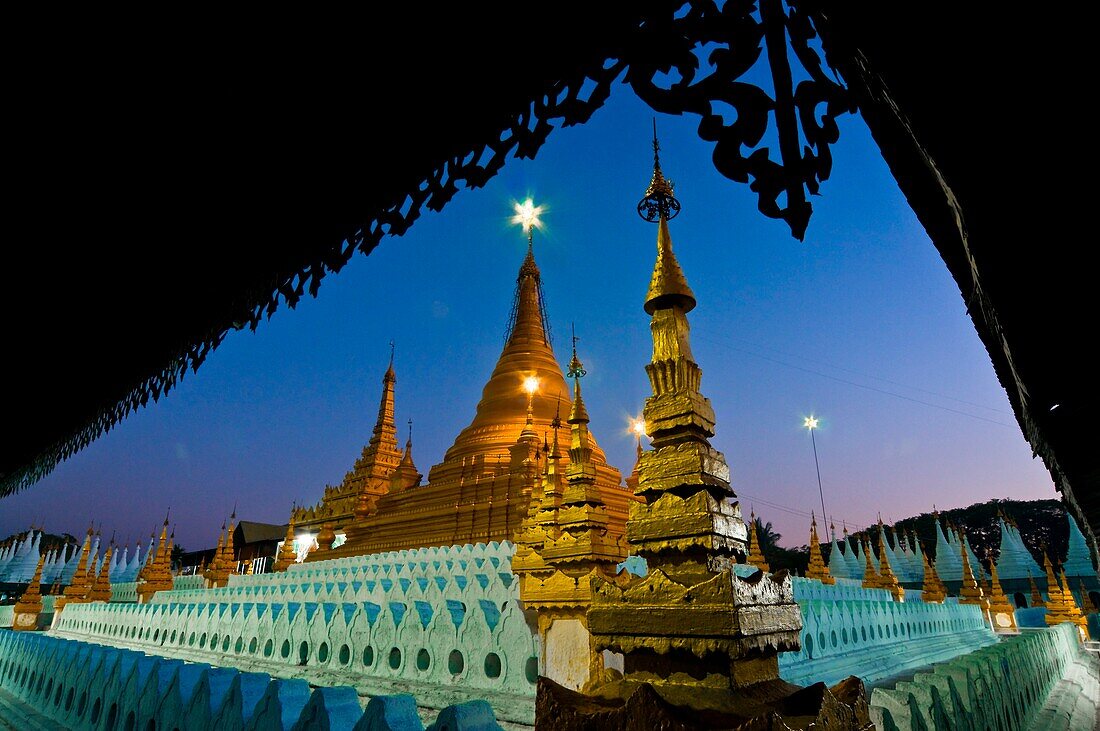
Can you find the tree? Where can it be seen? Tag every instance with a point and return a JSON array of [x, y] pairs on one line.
[[1042, 524], [795, 560], [766, 536], [177, 555]]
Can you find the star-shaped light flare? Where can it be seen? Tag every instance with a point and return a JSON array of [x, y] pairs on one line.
[[527, 216]]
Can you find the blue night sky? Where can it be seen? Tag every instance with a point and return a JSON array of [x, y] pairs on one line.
[[860, 325]]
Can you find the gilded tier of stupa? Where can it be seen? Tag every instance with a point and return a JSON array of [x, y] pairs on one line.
[[482, 490]]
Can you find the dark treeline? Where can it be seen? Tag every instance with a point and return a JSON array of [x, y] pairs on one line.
[[1042, 524]]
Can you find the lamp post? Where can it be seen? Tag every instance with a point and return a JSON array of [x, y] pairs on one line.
[[811, 422]]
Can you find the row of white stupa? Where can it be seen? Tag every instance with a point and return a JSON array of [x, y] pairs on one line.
[[19, 561], [1015, 561]]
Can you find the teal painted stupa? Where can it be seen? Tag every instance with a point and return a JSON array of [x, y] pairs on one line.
[[918, 560], [854, 561], [1015, 561], [1078, 557], [948, 562], [891, 554], [856, 564], [838, 562], [975, 564]]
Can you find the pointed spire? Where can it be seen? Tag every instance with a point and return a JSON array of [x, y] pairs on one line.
[[817, 568], [528, 322], [581, 489], [870, 575], [838, 561], [26, 610], [932, 589], [948, 564], [287, 554], [78, 581], [1036, 597], [101, 586], [384, 434], [755, 553], [1078, 557], [1002, 611], [576, 371], [668, 286], [970, 592], [405, 475], [407, 456], [1015, 560], [1054, 592], [632, 479], [1072, 611], [887, 578], [659, 201]]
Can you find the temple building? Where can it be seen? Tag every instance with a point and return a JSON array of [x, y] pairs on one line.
[[482, 489]]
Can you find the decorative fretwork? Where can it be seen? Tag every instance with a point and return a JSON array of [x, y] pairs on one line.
[[736, 34], [664, 45]]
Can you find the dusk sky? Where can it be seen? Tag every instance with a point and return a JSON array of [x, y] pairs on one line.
[[860, 325]]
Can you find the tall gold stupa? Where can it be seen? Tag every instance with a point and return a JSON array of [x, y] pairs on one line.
[[481, 491]]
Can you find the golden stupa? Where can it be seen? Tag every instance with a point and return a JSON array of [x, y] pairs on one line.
[[481, 491]]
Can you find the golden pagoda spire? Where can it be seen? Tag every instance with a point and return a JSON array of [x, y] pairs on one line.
[[679, 421], [970, 592], [817, 568], [526, 366], [638, 427], [1085, 597], [687, 525], [229, 562], [1054, 592], [1001, 609], [26, 610], [659, 200], [213, 573], [80, 583], [932, 589], [871, 578], [1072, 610], [755, 553], [157, 574], [578, 547], [581, 473], [405, 475], [369, 478], [1036, 597], [887, 578], [585, 544], [101, 585], [287, 554], [552, 489]]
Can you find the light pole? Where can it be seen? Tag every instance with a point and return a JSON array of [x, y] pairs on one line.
[[810, 423]]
